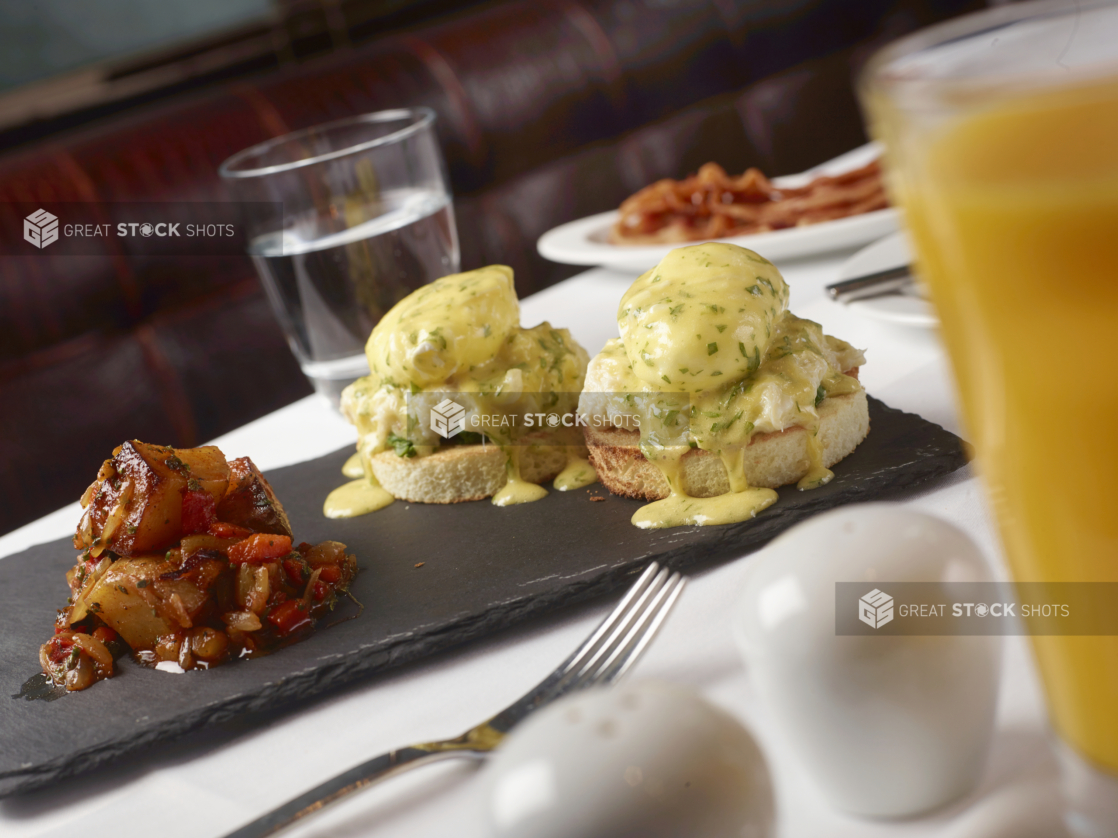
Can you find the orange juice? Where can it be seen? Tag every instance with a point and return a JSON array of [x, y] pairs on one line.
[[1013, 208]]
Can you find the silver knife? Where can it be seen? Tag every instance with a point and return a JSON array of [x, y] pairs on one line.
[[878, 284]]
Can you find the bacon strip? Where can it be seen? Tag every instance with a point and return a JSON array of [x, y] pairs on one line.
[[712, 205]]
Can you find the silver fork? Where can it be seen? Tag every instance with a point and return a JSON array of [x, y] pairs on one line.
[[607, 654]]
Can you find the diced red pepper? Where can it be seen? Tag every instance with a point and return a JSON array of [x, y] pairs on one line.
[[60, 649], [319, 591], [296, 571], [259, 548], [104, 634], [330, 573], [289, 616], [198, 511], [220, 529]]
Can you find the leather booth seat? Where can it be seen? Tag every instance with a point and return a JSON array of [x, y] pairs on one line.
[[548, 111]]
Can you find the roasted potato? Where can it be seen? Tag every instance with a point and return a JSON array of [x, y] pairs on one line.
[[139, 598], [250, 501], [136, 504]]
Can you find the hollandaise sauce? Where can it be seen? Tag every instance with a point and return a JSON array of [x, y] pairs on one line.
[[681, 509], [358, 497], [577, 473], [451, 365], [353, 467], [516, 489], [817, 475], [709, 357]]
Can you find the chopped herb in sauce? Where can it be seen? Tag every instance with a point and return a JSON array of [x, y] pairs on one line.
[[401, 445]]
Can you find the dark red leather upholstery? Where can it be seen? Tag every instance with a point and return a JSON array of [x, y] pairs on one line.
[[548, 111]]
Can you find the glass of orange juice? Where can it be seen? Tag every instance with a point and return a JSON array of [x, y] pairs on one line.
[[1001, 137]]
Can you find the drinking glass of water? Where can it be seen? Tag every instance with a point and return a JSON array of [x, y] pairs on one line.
[[344, 220]]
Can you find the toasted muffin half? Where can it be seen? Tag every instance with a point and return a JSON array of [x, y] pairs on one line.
[[465, 472], [771, 460]]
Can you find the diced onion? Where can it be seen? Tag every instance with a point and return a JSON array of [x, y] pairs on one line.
[[174, 605], [208, 644], [102, 657], [253, 587], [115, 519], [242, 620], [328, 552], [82, 675], [246, 582], [85, 528], [80, 607], [186, 656], [260, 591], [308, 593], [107, 472], [167, 647]]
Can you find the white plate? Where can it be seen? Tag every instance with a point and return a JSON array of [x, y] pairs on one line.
[[908, 308], [586, 241]]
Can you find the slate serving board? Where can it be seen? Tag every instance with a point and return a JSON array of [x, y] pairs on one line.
[[485, 568]]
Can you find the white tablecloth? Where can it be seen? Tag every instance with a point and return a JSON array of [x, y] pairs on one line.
[[215, 780]]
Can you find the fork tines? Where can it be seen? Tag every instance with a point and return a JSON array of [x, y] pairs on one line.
[[624, 635]]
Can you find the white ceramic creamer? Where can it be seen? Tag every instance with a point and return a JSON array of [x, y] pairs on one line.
[[889, 726], [646, 760]]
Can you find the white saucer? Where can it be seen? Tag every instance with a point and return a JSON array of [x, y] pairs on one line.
[[909, 308], [586, 241]]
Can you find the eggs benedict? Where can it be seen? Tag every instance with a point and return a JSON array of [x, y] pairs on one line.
[[462, 403], [715, 394]]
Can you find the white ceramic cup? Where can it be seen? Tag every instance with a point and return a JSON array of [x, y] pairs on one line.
[[889, 726]]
